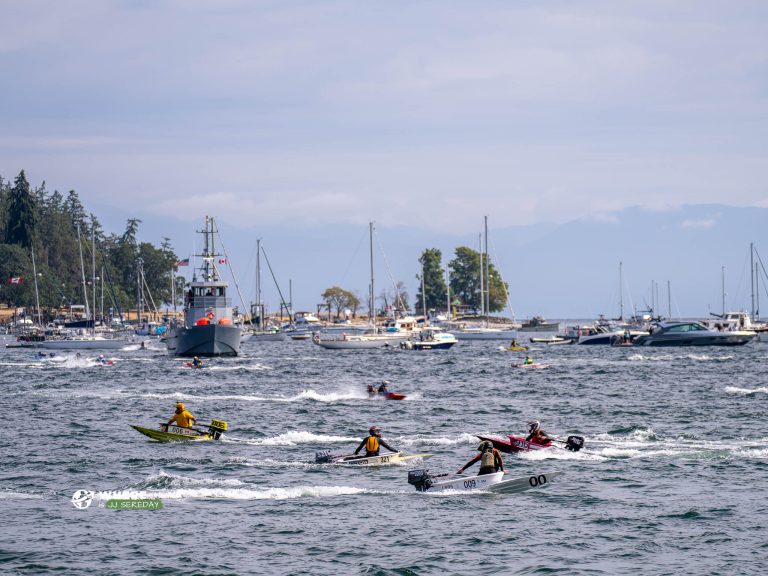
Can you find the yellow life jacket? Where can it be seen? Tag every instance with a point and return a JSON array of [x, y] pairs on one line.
[[372, 444]]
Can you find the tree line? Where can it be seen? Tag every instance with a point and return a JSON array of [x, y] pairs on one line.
[[464, 286], [46, 224]]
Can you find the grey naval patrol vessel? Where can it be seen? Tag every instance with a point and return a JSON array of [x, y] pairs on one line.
[[208, 328]]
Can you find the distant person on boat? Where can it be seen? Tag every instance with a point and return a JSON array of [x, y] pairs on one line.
[[373, 442], [197, 363], [514, 343], [627, 336], [101, 359], [182, 417], [489, 458], [371, 390], [383, 387], [537, 435], [528, 360], [142, 345]]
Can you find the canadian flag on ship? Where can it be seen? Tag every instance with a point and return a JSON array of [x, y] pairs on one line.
[[222, 260], [14, 280]]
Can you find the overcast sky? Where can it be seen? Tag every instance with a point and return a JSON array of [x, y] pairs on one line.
[[412, 113]]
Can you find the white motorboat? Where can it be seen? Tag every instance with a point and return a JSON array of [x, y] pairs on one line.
[[325, 457], [426, 482], [693, 334]]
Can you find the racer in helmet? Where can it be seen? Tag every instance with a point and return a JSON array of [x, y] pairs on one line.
[[528, 360], [537, 435], [182, 417], [489, 458], [196, 362], [373, 442], [383, 387]]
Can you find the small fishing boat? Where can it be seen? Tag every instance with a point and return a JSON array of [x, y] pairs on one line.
[[423, 481], [180, 434], [325, 457]]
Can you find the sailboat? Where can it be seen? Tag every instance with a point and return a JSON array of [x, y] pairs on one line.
[[262, 333], [464, 331], [82, 339], [207, 329], [397, 331]]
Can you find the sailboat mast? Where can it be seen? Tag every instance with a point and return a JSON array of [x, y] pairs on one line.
[[423, 296], [487, 273], [723, 286], [37, 294], [258, 285], [82, 274], [482, 292], [752, 277], [448, 291], [372, 311], [621, 293], [93, 274]]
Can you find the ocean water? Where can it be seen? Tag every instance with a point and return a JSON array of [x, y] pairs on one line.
[[673, 477]]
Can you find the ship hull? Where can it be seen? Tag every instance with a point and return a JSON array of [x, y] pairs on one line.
[[207, 340]]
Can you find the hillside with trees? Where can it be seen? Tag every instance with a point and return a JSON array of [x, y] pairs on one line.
[[54, 227]]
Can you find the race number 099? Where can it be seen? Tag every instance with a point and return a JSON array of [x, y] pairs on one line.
[[539, 480]]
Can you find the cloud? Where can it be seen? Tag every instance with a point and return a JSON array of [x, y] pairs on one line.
[[706, 223]]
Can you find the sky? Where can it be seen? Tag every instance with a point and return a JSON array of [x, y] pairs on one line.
[[421, 114]]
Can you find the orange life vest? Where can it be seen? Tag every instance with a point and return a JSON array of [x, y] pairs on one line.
[[372, 444]]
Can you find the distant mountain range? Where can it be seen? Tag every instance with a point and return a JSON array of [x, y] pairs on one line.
[[568, 270]]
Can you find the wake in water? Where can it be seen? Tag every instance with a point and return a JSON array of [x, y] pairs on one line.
[[295, 438], [172, 487], [745, 391]]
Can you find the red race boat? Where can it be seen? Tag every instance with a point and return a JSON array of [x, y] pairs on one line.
[[512, 444]]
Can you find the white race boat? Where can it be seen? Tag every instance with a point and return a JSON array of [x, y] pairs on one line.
[[325, 457], [426, 482]]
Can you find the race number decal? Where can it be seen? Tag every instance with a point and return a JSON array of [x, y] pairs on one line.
[[470, 484], [539, 480]]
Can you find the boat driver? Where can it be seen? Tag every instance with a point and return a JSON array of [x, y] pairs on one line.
[[197, 363], [528, 360], [373, 442], [383, 387], [537, 435], [489, 457], [182, 417]]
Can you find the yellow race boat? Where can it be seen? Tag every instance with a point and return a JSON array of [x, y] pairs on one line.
[[516, 348], [181, 434]]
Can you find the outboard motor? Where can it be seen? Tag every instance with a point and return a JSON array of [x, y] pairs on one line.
[[421, 479], [323, 457], [217, 428], [574, 443]]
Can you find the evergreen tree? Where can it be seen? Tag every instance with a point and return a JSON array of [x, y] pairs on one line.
[[435, 294], [465, 280], [22, 214]]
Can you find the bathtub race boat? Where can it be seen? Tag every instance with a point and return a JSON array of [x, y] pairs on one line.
[[514, 348], [325, 457], [533, 366], [207, 328], [387, 395], [513, 444], [423, 481], [181, 434]]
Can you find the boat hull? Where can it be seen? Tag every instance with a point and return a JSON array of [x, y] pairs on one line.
[[206, 340], [514, 444], [494, 483], [83, 344], [382, 460], [358, 342], [174, 434], [717, 339]]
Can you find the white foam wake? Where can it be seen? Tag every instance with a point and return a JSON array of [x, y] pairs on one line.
[[300, 437], [245, 493], [745, 391]]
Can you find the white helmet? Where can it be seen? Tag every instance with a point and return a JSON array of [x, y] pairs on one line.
[[533, 426]]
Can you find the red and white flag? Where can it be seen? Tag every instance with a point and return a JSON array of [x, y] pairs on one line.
[[222, 260], [14, 280]]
